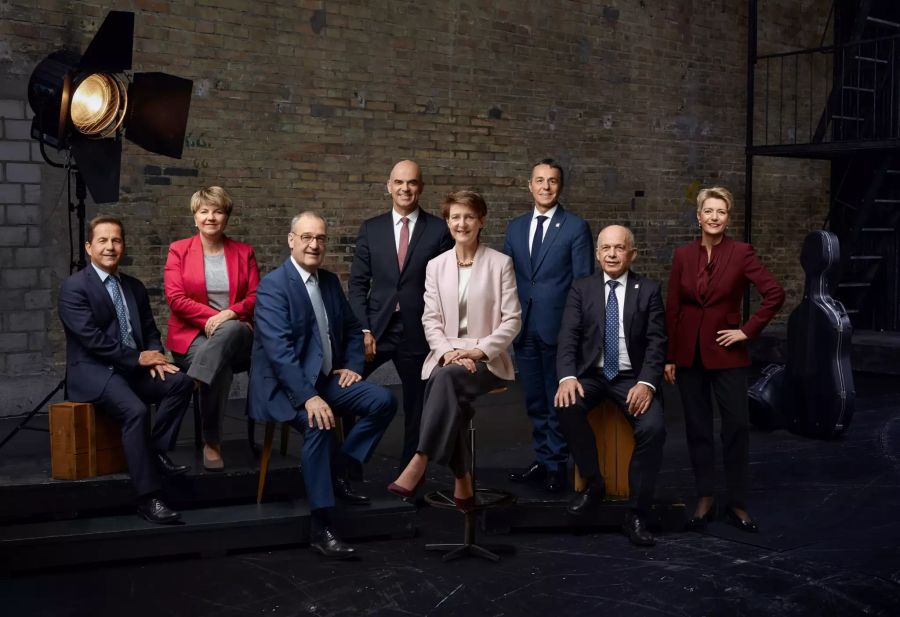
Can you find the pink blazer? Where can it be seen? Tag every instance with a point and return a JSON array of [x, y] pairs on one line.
[[494, 313], [185, 284]]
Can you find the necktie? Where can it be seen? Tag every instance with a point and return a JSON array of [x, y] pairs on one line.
[[315, 296], [404, 242], [536, 242], [611, 334], [125, 336]]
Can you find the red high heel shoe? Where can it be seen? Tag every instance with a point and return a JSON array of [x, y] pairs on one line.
[[404, 493], [464, 504]]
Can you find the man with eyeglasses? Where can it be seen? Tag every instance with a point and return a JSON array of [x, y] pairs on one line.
[[307, 366], [387, 288]]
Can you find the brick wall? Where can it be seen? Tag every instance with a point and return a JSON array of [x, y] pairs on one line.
[[307, 104]]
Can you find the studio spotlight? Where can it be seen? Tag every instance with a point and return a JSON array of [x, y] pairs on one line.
[[87, 103]]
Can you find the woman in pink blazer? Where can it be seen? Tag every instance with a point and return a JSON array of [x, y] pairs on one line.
[[472, 315], [210, 283]]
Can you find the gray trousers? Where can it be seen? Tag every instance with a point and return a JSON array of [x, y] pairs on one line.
[[213, 362], [449, 395]]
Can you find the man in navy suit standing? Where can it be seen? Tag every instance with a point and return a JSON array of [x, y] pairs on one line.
[[307, 366], [550, 247], [387, 287], [114, 359]]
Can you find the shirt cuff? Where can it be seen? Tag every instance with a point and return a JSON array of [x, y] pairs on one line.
[[649, 385], [367, 331], [566, 378]]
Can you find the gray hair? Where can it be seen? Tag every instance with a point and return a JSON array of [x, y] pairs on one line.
[[306, 213]]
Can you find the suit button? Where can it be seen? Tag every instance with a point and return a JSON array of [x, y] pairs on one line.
[[532, 283]]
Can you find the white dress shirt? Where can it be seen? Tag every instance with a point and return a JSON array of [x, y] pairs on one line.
[[549, 214]]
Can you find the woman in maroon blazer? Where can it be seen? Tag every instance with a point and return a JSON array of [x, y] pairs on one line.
[[707, 344], [210, 283]]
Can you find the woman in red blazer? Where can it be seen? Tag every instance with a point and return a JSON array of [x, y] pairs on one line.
[[707, 344], [210, 283]]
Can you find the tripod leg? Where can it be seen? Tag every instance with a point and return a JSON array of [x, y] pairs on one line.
[[32, 413]]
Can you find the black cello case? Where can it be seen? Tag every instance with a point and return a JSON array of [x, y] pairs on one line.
[[819, 389]]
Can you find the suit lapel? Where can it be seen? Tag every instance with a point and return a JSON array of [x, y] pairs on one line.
[[449, 292], [133, 313], [600, 292], [726, 249], [554, 228], [384, 242], [418, 232], [632, 290], [231, 268]]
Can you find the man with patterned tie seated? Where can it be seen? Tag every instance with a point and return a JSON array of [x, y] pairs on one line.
[[114, 359], [612, 346], [306, 366]]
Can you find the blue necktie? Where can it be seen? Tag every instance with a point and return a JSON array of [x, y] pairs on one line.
[[536, 241], [611, 334], [315, 296], [124, 335]]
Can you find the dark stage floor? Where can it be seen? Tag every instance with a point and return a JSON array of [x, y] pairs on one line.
[[829, 545]]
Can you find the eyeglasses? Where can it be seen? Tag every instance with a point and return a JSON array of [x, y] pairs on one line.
[[308, 238]]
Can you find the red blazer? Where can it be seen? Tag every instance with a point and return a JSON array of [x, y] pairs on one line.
[[185, 284], [688, 317]]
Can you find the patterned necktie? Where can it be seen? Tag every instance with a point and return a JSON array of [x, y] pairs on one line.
[[611, 334], [315, 296], [536, 241], [112, 283], [404, 242]]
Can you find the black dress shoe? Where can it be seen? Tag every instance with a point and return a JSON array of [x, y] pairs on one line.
[[535, 473], [328, 544], [635, 529], [154, 510], [748, 525], [587, 500], [344, 492], [698, 523], [167, 467], [556, 481]]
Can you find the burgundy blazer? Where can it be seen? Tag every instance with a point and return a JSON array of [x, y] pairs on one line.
[[185, 284], [689, 318]]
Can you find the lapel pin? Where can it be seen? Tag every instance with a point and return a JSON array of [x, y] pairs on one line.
[[637, 286], [557, 224]]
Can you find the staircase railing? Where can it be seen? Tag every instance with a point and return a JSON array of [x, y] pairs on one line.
[[829, 94]]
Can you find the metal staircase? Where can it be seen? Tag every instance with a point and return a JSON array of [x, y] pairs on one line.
[[841, 102]]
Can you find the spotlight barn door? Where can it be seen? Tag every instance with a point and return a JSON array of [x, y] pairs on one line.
[[159, 112]]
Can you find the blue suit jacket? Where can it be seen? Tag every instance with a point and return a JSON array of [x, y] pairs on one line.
[[567, 253], [93, 348], [287, 350]]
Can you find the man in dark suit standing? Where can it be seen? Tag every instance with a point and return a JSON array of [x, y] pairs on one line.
[[114, 359], [612, 346], [550, 247], [306, 367], [387, 286]]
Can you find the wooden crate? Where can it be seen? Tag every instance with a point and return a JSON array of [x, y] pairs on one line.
[[83, 443], [615, 445]]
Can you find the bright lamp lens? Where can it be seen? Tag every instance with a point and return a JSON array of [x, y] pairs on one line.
[[98, 105]]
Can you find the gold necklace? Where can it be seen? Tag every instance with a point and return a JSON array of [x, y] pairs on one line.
[[465, 264]]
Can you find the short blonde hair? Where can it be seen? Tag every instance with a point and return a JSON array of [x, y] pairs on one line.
[[715, 192], [213, 196]]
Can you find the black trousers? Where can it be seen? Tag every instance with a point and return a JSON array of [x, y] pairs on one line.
[[649, 435], [697, 385], [449, 395], [126, 400], [392, 347]]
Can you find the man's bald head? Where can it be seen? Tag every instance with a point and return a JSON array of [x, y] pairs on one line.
[[405, 186]]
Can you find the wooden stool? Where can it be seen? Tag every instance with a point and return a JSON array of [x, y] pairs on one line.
[[83, 443], [615, 444], [484, 498]]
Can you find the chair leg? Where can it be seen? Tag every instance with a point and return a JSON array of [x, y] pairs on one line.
[[198, 425], [264, 460], [285, 434]]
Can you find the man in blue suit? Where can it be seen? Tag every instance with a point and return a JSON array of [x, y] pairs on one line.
[[114, 359], [550, 247], [306, 367]]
